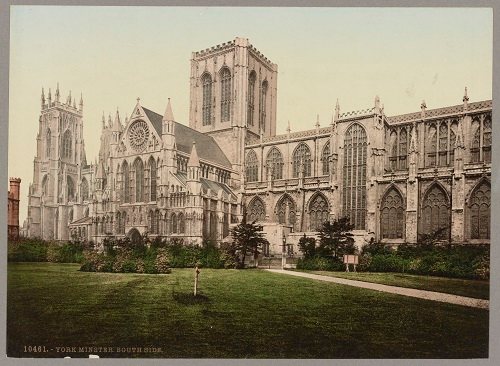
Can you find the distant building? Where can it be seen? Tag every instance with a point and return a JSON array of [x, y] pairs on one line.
[[395, 177], [13, 209]]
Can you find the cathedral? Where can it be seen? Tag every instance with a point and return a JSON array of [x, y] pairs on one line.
[[395, 177]]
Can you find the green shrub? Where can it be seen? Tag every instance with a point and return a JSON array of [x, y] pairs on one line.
[[318, 263], [162, 263], [388, 263], [28, 250]]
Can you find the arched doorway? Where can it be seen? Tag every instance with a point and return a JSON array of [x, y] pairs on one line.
[[135, 236]]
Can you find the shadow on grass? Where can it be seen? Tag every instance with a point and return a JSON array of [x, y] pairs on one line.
[[189, 298]]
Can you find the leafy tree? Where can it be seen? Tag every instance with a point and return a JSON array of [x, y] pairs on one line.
[[336, 238], [248, 238], [307, 245]]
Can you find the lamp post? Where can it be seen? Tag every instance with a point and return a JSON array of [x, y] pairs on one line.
[[283, 252]]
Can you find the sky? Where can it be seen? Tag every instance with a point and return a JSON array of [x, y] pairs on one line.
[[112, 55]]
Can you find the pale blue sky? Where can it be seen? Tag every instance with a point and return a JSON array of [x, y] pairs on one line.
[[115, 54]]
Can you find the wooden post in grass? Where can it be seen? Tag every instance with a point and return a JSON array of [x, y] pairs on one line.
[[197, 272]]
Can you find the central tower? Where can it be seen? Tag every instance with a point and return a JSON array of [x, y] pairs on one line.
[[233, 96]]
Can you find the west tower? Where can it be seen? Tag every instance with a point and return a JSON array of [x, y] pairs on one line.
[[233, 96]]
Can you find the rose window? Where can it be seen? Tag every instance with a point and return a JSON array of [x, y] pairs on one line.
[[138, 135]]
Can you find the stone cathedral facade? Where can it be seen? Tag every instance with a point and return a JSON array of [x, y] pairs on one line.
[[395, 177]]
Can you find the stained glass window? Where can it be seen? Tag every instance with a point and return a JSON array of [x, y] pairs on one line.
[[256, 210], [66, 145], [435, 210], [431, 147], [139, 180], [479, 212], [152, 182], [354, 191], [206, 81], [403, 148], [84, 190], [325, 159], [487, 140], [251, 98], [70, 188], [262, 105], [392, 215], [225, 94], [126, 182], [318, 212], [48, 143], [302, 160], [286, 210], [252, 167], [274, 163]]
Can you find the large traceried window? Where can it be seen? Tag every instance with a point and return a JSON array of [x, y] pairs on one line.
[[252, 167], [286, 211], [440, 143], [318, 212], [251, 98], [435, 210], [152, 180], [354, 191], [392, 215], [48, 143], [125, 182], [274, 164], [325, 159], [262, 105], [84, 190], [66, 145], [256, 210], [70, 188], [225, 100], [481, 142], [398, 141], [302, 160], [182, 223], [206, 81], [139, 180], [431, 146], [479, 211], [173, 223]]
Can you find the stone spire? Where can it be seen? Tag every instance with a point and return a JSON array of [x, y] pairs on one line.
[[110, 123], [117, 125], [68, 100], [465, 99], [337, 111], [460, 136], [81, 102], [317, 122], [413, 139], [194, 160], [42, 98], [168, 116], [288, 129], [423, 107], [57, 93], [74, 103], [49, 98], [377, 104], [103, 121]]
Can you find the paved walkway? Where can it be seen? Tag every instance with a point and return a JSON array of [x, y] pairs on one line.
[[421, 294]]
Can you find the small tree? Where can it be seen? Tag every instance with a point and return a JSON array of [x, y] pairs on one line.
[[248, 238], [307, 246], [336, 238]]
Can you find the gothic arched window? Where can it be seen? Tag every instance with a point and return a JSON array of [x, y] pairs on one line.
[[262, 105], [206, 81], [251, 98], [173, 220], [479, 211], [151, 222], [435, 210], [225, 94], [252, 167], [453, 143], [139, 180], [84, 190], [48, 143], [354, 191], [286, 211], [302, 160], [487, 140], [392, 215], [70, 186], [125, 182], [393, 158], [403, 148], [318, 212], [274, 163], [325, 159], [181, 223], [152, 180], [443, 144], [66, 145], [256, 210], [431, 146]]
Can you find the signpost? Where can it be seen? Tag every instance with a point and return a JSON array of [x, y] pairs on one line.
[[197, 272], [350, 259]]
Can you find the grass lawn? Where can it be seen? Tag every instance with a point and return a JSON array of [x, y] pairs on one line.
[[470, 288], [242, 314]]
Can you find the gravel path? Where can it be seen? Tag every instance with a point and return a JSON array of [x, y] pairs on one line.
[[421, 294]]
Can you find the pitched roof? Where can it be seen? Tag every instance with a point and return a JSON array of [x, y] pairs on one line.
[[206, 146]]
